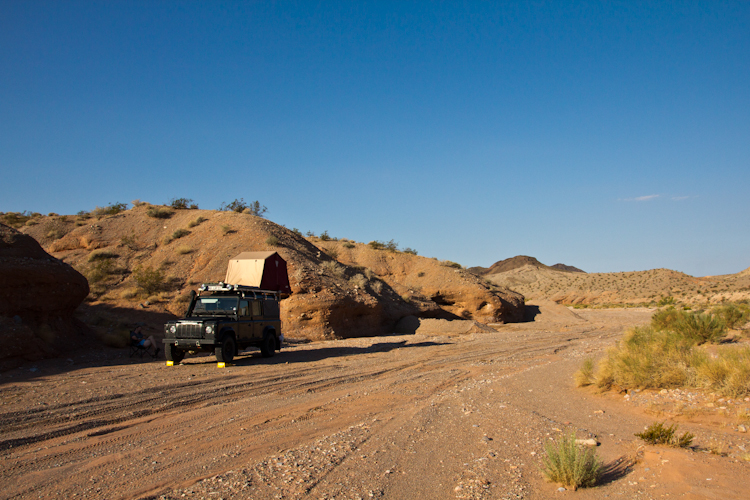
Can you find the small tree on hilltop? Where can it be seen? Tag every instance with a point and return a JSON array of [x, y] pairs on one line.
[[239, 206]]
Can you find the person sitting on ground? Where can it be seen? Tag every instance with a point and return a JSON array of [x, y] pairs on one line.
[[137, 337]]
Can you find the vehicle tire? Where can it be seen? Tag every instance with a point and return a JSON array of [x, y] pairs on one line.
[[225, 352], [268, 347], [173, 354]]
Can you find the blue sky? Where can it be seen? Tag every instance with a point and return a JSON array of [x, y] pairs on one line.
[[612, 136]]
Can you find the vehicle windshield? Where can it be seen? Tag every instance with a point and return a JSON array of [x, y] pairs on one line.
[[206, 306]]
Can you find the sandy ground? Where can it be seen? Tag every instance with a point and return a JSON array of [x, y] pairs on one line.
[[401, 417]]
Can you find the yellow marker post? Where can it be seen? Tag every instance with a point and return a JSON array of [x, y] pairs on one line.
[[220, 364], [170, 363]]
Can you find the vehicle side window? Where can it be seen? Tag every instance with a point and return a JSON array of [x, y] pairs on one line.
[[256, 308], [271, 307], [244, 308]]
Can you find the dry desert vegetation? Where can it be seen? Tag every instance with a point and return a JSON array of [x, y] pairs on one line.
[[402, 376]]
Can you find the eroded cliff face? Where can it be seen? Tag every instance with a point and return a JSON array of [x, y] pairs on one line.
[[38, 295]]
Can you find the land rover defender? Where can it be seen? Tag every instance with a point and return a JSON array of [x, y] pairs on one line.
[[226, 319]]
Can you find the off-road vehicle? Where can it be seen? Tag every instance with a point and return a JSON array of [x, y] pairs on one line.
[[226, 319]]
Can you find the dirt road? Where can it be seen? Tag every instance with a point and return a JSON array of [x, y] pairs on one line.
[[419, 416]]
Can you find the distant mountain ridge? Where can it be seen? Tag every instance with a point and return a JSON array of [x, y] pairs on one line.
[[506, 265]]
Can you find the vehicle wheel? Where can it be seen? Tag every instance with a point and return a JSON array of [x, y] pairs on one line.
[[268, 347], [225, 352], [173, 354]]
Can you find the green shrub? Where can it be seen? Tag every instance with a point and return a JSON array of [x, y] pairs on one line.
[[700, 328], [197, 221], [570, 464], [180, 233], [149, 281], [377, 245], [657, 433], [666, 301], [348, 244], [324, 236], [733, 315], [296, 231], [100, 271], [448, 263], [160, 212], [182, 203], [239, 206], [273, 241], [138, 203], [101, 254], [694, 326], [410, 251]]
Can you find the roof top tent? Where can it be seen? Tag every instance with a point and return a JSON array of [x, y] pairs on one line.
[[265, 270]]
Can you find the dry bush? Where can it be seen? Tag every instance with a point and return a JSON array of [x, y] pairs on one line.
[[183, 250], [449, 263], [111, 209], [333, 268], [129, 293], [55, 234], [585, 375], [160, 212], [130, 241], [197, 221], [358, 281], [646, 358], [225, 229]]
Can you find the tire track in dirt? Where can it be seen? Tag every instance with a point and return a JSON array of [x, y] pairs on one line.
[[180, 432]]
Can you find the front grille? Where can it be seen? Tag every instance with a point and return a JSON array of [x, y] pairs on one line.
[[189, 330]]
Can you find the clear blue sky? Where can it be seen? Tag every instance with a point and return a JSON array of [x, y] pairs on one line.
[[612, 136]]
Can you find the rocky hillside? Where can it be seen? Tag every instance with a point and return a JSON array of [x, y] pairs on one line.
[[150, 257]]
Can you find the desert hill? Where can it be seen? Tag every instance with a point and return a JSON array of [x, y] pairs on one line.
[[150, 257], [638, 287], [516, 262]]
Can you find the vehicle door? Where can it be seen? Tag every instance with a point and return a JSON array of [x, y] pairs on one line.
[[244, 323], [256, 307]]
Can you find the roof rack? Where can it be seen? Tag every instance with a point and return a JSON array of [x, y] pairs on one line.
[[247, 291]]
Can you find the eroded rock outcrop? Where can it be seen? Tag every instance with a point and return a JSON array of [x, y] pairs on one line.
[[38, 295]]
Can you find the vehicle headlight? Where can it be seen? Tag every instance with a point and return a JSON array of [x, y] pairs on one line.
[[209, 329], [173, 329]]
